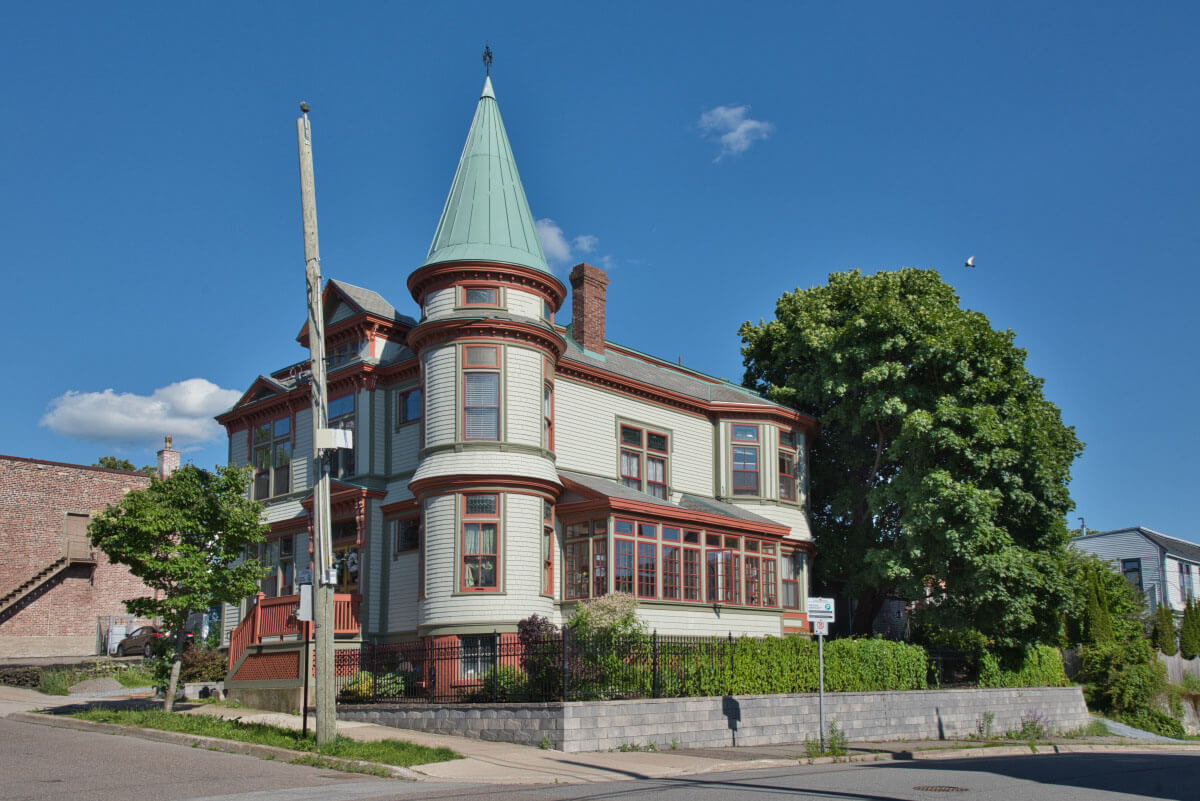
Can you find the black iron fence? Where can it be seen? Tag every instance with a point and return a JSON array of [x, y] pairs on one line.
[[509, 668], [494, 668]]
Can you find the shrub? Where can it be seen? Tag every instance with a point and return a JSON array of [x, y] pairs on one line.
[[1163, 633], [1040, 666], [1154, 721], [1189, 631], [366, 686], [502, 683], [1123, 677], [202, 665]]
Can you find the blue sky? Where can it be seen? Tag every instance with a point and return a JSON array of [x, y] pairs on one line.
[[711, 156]]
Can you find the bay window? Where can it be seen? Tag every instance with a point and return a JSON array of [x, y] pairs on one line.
[[480, 543]]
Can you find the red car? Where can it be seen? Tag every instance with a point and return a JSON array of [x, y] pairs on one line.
[[140, 641]]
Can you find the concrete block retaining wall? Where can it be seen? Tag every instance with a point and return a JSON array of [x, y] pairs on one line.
[[738, 720]]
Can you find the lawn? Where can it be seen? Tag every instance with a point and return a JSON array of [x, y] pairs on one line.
[[387, 752]]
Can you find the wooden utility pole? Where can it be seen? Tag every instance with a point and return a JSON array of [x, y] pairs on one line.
[[323, 579]]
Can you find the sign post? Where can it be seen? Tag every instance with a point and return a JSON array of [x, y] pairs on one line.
[[820, 615]]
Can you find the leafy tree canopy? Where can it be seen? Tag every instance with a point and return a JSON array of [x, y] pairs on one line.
[[941, 469], [124, 464], [184, 537]]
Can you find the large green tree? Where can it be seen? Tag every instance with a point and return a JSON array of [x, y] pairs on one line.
[[185, 537], [941, 470]]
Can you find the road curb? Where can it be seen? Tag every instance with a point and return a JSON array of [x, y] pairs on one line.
[[210, 743]]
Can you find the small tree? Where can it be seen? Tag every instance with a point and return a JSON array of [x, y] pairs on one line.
[[1099, 623], [185, 537], [1163, 633], [1189, 631]]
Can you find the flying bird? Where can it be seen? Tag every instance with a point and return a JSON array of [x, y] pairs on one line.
[[970, 262]]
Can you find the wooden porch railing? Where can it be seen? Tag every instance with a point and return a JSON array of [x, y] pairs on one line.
[[276, 617]]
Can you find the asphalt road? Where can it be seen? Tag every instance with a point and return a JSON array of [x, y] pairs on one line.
[[42, 763]]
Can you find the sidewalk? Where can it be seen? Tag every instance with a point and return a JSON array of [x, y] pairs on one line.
[[505, 763]]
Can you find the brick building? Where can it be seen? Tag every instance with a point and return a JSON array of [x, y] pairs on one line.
[[55, 589]]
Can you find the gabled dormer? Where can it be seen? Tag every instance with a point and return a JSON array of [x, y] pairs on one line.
[[359, 326]]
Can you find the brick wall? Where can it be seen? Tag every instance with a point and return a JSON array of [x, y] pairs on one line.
[[60, 618]]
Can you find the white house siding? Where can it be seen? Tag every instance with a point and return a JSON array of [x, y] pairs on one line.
[[790, 516], [441, 405], [585, 420], [1119, 545], [520, 567], [387, 350], [439, 303], [405, 442], [484, 463], [524, 304], [702, 620], [402, 592], [523, 396]]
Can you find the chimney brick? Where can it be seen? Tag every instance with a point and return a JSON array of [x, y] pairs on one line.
[[588, 298], [168, 460]]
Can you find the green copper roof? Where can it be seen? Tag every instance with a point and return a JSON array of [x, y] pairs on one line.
[[487, 217]]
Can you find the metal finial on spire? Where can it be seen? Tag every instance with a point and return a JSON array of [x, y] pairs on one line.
[[303, 107], [487, 59]]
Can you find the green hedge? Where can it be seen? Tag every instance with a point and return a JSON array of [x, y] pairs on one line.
[[1042, 666], [760, 666]]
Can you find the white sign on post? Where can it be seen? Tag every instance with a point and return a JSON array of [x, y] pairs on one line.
[[820, 627], [820, 609]]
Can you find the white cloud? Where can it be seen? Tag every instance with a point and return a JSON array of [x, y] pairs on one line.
[[732, 129], [585, 243], [554, 242], [559, 249], [183, 410]]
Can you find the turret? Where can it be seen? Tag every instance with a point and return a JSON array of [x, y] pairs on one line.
[[486, 477]]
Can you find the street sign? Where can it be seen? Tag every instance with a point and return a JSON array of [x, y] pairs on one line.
[[820, 609], [820, 627]]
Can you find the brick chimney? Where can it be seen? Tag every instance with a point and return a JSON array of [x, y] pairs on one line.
[[588, 292], [168, 460]]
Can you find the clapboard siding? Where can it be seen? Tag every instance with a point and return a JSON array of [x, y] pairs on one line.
[[585, 421], [486, 463], [1115, 546], [520, 565], [402, 592], [441, 405], [439, 303], [702, 620], [239, 454], [523, 396], [524, 304], [302, 450]]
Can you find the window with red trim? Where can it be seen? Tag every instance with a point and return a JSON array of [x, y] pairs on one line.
[[691, 566], [670, 572], [547, 548], [722, 578], [753, 588], [643, 456], [341, 415], [548, 415], [481, 393], [623, 559], [770, 595], [576, 556], [790, 567], [272, 456], [744, 459], [480, 543], [647, 570], [599, 558], [480, 296]]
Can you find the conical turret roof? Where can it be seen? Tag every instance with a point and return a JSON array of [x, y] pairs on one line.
[[487, 217]]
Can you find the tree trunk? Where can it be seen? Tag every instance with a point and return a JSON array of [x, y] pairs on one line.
[[869, 604], [176, 663]]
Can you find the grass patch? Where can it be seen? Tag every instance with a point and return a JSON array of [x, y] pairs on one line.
[[314, 761], [388, 752]]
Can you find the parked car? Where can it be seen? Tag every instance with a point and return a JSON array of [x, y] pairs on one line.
[[140, 641], [146, 640]]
